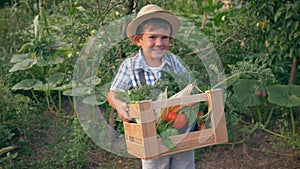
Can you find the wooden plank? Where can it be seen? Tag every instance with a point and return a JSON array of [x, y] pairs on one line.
[[135, 149], [149, 129], [133, 130], [180, 101], [134, 139], [151, 147], [146, 112], [143, 130], [134, 111], [189, 141], [216, 105]]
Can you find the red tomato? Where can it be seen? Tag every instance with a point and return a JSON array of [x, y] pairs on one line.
[[171, 116], [180, 121], [200, 113]]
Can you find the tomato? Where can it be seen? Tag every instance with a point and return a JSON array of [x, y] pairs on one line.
[[171, 116], [180, 121], [259, 93], [264, 93], [200, 113]]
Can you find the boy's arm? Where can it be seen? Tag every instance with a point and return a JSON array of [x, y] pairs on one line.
[[121, 107]]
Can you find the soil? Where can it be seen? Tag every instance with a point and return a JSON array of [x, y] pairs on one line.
[[261, 151], [258, 152]]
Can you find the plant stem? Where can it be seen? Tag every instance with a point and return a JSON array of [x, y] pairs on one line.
[[293, 121], [59, 101], [271, 132], [269, 118], [52, 102], [32, 75], [47, 99], [36, 99], [259, 115], [248, 136], [74, 106], [264, 126], [72, 103]]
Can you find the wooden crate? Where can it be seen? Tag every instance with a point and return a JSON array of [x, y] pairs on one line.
[[142, 140]]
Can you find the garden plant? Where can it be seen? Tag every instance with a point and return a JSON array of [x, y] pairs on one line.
[[46, 67]]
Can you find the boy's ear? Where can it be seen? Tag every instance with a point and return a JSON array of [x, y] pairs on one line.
[[136, 39]]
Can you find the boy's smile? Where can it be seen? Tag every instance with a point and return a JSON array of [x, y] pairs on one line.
[[154, 44]]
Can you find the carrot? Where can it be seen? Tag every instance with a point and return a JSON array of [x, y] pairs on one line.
[[201, 123]]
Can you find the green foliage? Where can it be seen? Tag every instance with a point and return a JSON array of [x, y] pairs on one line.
[[7, 160], [284, 95], [170, 82], [76, 152], [41, 40], [17, 116]]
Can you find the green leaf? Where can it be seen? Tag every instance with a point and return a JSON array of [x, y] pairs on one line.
[[23, 65], [167, 142], [53, 61], [92, 81], [245, 91], [63, 87], [278, 14], [103, 89], [296, 34], [57, 60], [58, 44], [36, 25], [56, 78], [19, 57], [284, 95], [78, 91], [44, 87], [27, 84], [6, 149], [96, 99], [288, 15]]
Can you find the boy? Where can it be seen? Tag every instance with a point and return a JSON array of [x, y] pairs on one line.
[[152, 31]]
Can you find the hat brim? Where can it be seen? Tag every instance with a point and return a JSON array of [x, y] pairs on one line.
[[165, 15]]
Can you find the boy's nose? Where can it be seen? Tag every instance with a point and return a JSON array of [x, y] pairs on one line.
[[158, 42]]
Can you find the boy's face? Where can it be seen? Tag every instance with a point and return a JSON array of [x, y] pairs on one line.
[[154, 43]]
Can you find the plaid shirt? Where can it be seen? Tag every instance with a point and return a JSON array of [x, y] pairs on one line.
[[128, 77]]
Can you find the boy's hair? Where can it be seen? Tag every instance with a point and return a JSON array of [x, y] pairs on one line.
[[152, 24]]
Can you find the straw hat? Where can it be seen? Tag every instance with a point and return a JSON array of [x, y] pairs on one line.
[[152, 11]]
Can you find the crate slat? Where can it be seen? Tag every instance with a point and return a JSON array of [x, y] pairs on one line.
[[215, 103], [180, 101]]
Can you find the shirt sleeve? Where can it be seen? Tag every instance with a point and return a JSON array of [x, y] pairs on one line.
[[121, 79], [177, 64]]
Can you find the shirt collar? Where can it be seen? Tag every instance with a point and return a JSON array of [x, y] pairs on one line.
[[141, 63]]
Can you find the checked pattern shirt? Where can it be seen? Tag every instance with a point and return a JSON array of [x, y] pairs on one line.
[[127, 75]]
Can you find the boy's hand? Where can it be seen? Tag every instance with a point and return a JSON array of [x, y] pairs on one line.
[[121, 107]]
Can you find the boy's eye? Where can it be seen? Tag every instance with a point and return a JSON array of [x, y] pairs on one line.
[[154, 37]]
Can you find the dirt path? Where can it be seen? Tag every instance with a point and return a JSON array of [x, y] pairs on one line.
[[259, 152]]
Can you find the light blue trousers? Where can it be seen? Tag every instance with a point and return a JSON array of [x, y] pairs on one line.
[[183, 160]]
